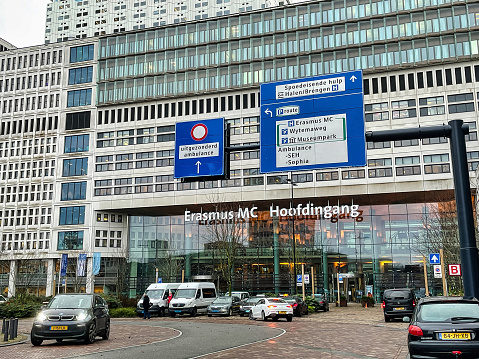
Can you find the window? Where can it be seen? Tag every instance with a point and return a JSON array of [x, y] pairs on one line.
[[278, 179], [406, 143], [406, 160], [79, 98], [302, 178], [378, 162], [377, 145], [460, 97], [408, 171], [70, 240], [78, 143], [81, 53], [353, 174], [73, 191], [77, 120], [327, 176], [75, 167], [72, 215], [436, 158], [380, 172], [461, 107], [80, 75], [434, 140]]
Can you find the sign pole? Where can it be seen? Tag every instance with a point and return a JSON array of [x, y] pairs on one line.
[[425, 275], [182, 276], [59, 279], [312, 281], [302, 281], [443, 270]]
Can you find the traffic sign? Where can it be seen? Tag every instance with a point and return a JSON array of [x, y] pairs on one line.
[[299, 280], [340, 278], [199, 148], [434, 258], [437, 271], [312, 123], [455, 269], [306, 279], [160, 280]]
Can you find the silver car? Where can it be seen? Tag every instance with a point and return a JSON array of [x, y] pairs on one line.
[[247, 305]]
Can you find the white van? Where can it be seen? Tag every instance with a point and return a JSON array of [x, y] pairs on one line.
[[158, 294], [192, 298]]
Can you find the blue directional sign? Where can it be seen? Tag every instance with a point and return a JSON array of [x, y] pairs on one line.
[[313, 123], [434, 258], [299, 278], [199, 148], [160, 280]]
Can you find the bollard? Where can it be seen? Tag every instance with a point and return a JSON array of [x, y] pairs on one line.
[[5, 331], [12, 328], [15, 331], [3, 325]]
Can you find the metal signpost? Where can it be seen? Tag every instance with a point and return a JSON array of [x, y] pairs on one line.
[[312, 123], [199, 148]]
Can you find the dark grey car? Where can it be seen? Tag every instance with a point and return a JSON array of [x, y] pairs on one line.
[[72, 316], [224, 306]]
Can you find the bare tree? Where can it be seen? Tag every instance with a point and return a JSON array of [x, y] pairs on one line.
[[226, 234]]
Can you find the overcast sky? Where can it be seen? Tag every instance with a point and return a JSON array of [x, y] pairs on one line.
[[22, 22]]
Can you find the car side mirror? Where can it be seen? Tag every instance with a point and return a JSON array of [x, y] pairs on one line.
[[406, 319], [198, 295]]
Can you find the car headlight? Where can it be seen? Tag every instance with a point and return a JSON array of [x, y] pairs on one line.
[[41, 317], [82, 316]]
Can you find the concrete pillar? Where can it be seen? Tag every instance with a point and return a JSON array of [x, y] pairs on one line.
[[49, 290], [90, 279], [325, 271], [12, 279], [276, 254]]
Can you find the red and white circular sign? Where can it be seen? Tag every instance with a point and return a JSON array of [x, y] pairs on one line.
[[199, 132]]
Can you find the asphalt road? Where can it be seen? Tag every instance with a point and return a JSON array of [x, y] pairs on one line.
[[194, 340]]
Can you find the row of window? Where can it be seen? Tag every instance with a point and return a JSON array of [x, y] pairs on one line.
[[32, 193], [183, 108], [30, 82], [253, 74], [33, 241], [79, 98], [80, 75], [82, 53], [26, 217], [31, 60], [75, 167], [29, 103], [29, 125], [270, 21]]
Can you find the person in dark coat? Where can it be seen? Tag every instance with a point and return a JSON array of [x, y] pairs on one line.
[[146, 306]]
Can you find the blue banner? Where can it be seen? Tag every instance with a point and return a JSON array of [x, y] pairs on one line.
[[81, 264], [96, 263], [63, 265]]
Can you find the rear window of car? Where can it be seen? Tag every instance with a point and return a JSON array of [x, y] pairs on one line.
[[276, 301], [397, 294], [447, 312]]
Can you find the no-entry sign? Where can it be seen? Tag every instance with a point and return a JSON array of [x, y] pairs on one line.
[[455, 269]]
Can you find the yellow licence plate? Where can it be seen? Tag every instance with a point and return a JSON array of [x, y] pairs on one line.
[[59, 327], [398, 308], [282, 312], [455, 336]]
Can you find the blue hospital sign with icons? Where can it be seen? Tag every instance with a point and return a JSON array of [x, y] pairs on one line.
[[199, 148], [313, 123]]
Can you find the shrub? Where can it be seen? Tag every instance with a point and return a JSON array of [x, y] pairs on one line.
[[128, 302], [14, 309], [123, 312], [313, 304], [369, 300], [112, 300]]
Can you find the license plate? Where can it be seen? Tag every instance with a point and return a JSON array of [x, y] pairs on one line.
[[59, 327], [398, 308], [455, 336], [215, 311], [282, 312], [246, 311], [177, 311]]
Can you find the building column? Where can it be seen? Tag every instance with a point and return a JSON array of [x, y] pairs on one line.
[[133, 280], [12, 279], [50, 290], [276, 255], [90, 278], [325, 272]]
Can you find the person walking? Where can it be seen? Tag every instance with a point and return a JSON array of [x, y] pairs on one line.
[[146, 306]]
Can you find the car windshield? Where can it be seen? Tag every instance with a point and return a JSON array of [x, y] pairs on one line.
[[252, 301], [445, 312], [397, 294], [185, 293], [222, 300], [155, 293], [276, 300], [70, 302]]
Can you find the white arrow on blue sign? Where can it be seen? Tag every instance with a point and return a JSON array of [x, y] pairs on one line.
[[434, 258]]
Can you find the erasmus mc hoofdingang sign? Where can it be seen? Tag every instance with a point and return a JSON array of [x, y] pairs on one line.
[[199, 148], [313, 123]]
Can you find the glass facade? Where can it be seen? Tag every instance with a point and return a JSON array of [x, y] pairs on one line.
[[301, 41], [383, 247]]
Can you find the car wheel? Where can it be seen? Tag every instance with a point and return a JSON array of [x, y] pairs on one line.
[[289, 319], [387, 319], [172, 314], [241, 314], [209, 315], [35, 341], [106, 332], [193, 313], [59, 340], [299, 313], [90, 334], [275, 319], [264, 318], [229, 313], [251, 315]]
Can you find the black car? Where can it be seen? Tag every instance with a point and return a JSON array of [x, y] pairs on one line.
[[224, 306], [72, 316], [398, 303], [299, 306], [444, 327], [323, 302]]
